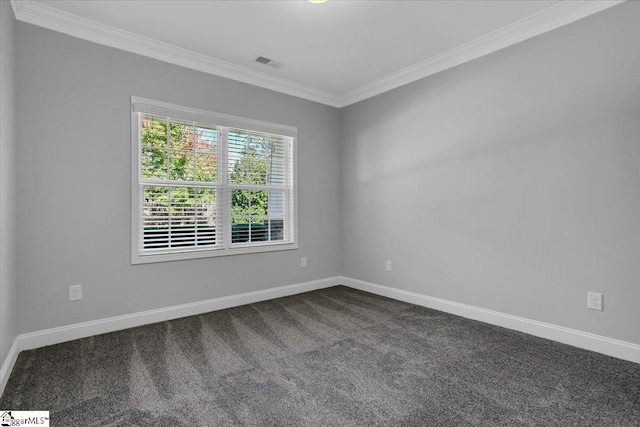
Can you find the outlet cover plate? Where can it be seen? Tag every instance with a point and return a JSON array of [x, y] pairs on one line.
[[75, 293], [594, 301]]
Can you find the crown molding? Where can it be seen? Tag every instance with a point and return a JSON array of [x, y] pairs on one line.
[[54, 19], [546, 20]]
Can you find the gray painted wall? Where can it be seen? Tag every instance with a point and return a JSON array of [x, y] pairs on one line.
[[511, 182], [7, 182], [74, 183]]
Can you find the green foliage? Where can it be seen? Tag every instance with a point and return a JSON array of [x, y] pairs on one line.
[[252, 168], [175, 152], [245, 203], [178, 152]]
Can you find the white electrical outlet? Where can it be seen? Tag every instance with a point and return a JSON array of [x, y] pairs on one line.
[[303, 261], [75, 293], [594, 301], [388, 265]]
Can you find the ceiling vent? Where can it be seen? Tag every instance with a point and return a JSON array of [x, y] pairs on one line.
[[268, 62]]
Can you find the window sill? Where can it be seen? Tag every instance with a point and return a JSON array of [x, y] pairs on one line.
[[210, 253]]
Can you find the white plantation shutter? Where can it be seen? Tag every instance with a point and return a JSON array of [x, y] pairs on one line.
[[203, 188], [186, 218]]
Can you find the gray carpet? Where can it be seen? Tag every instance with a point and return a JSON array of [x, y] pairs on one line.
[[334, 357]]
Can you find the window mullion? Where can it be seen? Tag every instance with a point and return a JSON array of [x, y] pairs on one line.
[[258, 187], [268, 216], [168, 148], [139, 197], [223, 198], [169, 222], [250, 194], [166, 183], [287, 194], [195, 216], [195, 189]]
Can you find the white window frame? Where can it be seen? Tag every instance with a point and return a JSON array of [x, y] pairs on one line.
[[165, 109]]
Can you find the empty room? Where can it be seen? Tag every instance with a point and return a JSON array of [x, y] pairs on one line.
[[319, 213]]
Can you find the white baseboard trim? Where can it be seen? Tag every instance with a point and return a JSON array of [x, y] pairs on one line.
[[86, 329], [7, 366], [609, 346], [62, 334]]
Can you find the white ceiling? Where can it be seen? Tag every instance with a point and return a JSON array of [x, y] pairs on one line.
[[338, 52]]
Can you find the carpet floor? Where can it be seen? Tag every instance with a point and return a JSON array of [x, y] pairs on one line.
[[333, 357]]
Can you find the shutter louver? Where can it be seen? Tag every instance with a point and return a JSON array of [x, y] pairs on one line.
[[176, 218]]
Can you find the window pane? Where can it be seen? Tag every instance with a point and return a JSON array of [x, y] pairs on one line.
[[182, 236], [153, 163], [240, 230], [182, 210], [256, 172], [238, 162], [178, 217], [206, 216], [245, 203], [258, 216], [155, 217], [182, 168], [259, 229], [181, 136], [206, 167], [276, 229], [276, 205], [206, 139], [240, 200], [256, 159], [276, 212], [153, 132], [276, 166], [259, 203]]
